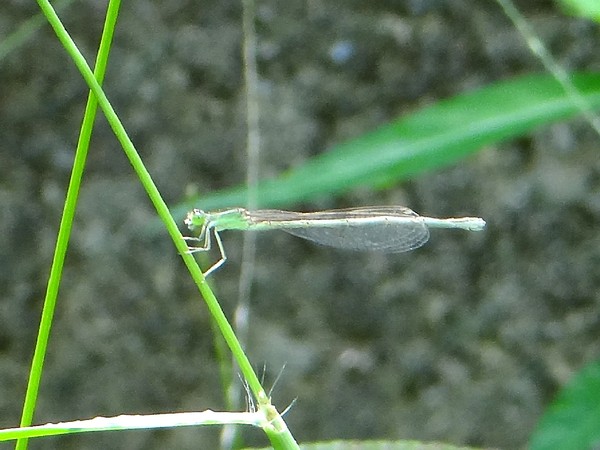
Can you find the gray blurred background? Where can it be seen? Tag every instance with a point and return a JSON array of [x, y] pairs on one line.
[[464, 341]]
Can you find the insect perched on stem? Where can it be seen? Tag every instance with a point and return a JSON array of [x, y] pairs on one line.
[[391, 229]]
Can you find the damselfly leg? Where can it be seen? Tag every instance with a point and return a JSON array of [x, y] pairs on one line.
[[205, 247]]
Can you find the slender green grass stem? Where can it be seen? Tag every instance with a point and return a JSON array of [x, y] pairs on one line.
[[64, 231], [277, 431]]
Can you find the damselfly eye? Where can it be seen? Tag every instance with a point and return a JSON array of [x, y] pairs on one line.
[[195, 219]]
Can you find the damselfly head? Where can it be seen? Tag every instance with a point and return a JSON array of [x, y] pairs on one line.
[[196, 219]]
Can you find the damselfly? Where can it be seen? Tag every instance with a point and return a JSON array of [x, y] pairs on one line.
[[390, 229]]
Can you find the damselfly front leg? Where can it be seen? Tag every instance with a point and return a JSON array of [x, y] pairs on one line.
[[206, 245], [204, 238]]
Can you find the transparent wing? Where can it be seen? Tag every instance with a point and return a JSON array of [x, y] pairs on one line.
[[381, 236]]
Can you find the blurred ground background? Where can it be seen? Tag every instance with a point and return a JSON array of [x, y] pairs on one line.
[[465, 341]]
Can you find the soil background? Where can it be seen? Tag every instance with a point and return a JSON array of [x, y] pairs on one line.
[[464, 341]]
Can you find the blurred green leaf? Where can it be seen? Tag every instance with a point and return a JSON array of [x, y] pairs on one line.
[[434, 137], [582, 8], [573, 420]]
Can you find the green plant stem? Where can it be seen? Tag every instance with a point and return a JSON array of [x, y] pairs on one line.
[[276, 431], [560, 74], [64, 231]]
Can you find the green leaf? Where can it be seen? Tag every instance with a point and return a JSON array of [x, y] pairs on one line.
[[434, 137], [582, 8], [573, 421]]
